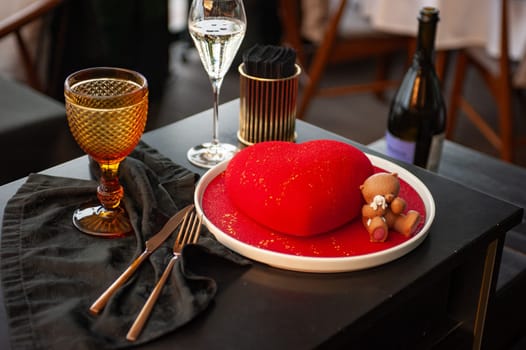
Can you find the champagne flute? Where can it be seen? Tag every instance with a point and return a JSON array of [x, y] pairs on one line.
[[106, 110], [217, 28]]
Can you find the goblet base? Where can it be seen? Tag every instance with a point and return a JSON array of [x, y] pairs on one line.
[[208, 155], [101, 222]]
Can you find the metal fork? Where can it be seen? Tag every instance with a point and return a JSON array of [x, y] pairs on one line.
[[188, 233]]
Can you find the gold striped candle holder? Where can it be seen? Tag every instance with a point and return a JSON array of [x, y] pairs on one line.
[[267, 108]]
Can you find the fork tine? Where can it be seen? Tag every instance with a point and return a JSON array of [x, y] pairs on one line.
[[180, 233], [189, 230], [196, 228]]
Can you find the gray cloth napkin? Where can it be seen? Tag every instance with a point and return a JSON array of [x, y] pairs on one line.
[[51, 273]]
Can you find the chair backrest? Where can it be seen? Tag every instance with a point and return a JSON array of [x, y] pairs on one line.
[[337, 48], [504, 63], [518, 78], [14, 25], [290, 13]]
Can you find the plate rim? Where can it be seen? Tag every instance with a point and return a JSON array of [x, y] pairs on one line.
[[323, 264]]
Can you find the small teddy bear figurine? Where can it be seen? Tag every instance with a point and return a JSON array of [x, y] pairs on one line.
[[384, 209]]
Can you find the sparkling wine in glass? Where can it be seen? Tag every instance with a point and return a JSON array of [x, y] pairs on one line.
[[217, 28], [106, 110]]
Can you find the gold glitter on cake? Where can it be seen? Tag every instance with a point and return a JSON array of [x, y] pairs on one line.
[[265, 243], [228, 222]]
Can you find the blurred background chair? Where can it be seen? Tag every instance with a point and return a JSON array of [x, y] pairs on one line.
[[339, 46], [16, 24], [497, 74], [34, 134]]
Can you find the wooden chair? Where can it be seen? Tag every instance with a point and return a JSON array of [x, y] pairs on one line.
[[497, 74], [14, 25], [336, 48]]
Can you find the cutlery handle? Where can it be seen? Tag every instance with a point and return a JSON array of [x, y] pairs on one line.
[[99, 304], [143, 316]]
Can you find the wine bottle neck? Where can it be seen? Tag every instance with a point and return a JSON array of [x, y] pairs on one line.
[[427, 26]]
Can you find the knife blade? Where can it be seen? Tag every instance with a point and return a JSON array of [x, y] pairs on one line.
[[151, 245]]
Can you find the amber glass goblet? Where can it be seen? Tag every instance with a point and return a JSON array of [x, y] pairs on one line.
[[106, 110]]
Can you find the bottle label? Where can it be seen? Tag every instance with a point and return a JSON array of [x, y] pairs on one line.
[[435, 152], [400, 149], [405, 150]]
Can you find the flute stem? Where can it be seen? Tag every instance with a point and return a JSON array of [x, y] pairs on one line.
[[216, 87]]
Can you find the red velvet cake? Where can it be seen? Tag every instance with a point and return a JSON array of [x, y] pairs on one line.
[[298, 189]]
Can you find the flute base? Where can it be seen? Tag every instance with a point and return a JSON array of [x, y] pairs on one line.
[[208, 155]]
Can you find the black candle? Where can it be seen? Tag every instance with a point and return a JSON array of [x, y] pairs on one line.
[[268, 61]]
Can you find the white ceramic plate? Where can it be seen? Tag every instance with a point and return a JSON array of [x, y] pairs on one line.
[[323, 264]]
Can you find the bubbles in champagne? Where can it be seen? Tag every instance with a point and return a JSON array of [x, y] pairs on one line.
[[217, 41]]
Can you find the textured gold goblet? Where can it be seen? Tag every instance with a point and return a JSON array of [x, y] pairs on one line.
[[106, 110]]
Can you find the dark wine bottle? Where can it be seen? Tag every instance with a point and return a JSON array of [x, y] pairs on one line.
[[417, 116]]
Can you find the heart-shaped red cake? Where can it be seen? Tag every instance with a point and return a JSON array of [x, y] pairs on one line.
[[299, 189]]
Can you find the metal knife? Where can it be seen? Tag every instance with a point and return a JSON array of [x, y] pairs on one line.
[[151, 245]]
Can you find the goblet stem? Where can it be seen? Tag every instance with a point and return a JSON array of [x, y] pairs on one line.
[[110, 191], [106, 219]]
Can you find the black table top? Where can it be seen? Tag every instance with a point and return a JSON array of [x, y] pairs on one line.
[[264, 307]]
